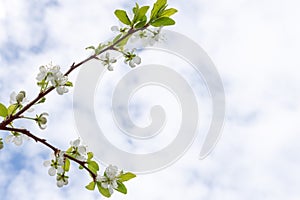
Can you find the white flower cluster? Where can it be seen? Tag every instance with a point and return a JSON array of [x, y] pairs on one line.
[[56, 165], [107, 60], [19, 98], [78, 151], [58, 162], [131, 58], [51, 73], [16, 138], [148, 37], [109, 180]]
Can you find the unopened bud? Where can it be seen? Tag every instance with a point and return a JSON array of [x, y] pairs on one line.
[[20, 97], [43, 120], [1, 144]]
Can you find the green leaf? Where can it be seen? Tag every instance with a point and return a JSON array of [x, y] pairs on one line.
[[157, 7], [42, 83], [123, 42], [90, 155], [121, 187], [69, 150], [140, 14], [93, 166], [69, 84], [135, 9], [163, 21], [99, 48], [117, 38], [91, 186], [42, 100], [161, 10], [90, 47], [141, 24], [169, 12], [67, 165], [103, 191], [12, 109], [3, 110], [123, 17], [126, 177], [143, 10], [80, 167], [1, 144]]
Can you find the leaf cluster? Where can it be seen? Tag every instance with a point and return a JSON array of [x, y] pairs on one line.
[[159, 16]]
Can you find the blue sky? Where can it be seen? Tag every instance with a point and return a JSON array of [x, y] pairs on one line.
[[254, 45]]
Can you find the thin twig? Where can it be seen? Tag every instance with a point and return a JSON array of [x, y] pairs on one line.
[[55, 150]]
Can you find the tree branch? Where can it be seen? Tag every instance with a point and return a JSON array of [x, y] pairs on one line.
[[55, 150]]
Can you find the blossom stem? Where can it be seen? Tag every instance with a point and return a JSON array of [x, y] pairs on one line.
[[82, 163], [28, 118], [29, 134], [55, 150], [111, 47]]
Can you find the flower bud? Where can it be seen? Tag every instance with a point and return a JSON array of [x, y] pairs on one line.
[[20, 97], [1, 144], [43, 120]]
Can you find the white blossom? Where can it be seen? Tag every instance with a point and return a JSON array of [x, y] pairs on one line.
[[115, 29], [80, 151], [56, 164], [135, 61], [17, 139], [148, 37], [51, 73], [131, 58], [18, 98], [61, 180], [107, 60], [42, 74], [109, 180], [61, 90]]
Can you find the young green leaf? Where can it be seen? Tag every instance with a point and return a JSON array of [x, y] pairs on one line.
[[123, 17], [91, 186], [121, 187], [123, 42], [136, 8], [161, 10], [141, 24], [103, 191], [142, 12], [12, 109], [169, 12], [42, 100], [90, 47], [163, 21], [90, 155], [1, 144], [117, 38], [69, 84], [67, 165], [157, 7], [3, 110], [93, 166], [126, 177]]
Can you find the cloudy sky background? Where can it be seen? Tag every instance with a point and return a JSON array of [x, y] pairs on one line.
[[254, 45]]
